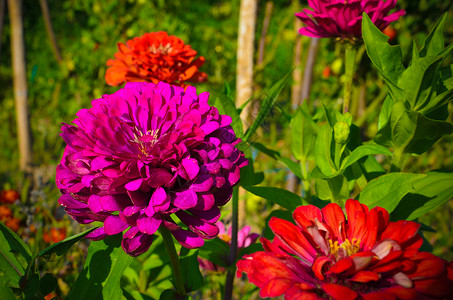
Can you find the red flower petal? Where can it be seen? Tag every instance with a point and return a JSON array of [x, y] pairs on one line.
[[291, 236], [339, 292], [402, 293], [318, 266], [341, 266], [365, 276], [439, 287], [379, 296], [304, 215], [276, 287], [334, 218]]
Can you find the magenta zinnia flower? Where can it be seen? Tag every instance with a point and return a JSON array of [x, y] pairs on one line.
[[343, 18], [146, 154], [326, 256]]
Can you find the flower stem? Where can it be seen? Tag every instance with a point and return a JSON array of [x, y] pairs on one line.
[[350, 55], [233, 246], [174, 261]]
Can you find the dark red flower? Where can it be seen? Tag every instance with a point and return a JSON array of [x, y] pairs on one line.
[[326, 256], [155, 57], [9, 196], [343, 18]]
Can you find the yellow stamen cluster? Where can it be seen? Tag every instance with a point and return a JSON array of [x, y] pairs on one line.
[[347, 248]]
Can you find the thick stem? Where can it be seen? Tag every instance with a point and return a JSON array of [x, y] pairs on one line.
[[351, 52], [233, 247], [174, 260]]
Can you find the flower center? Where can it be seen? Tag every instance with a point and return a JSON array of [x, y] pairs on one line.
[[145, 142], [347, 248], [161, 49]]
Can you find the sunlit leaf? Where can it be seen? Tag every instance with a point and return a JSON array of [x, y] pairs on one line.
[[63, 246], [279, 196], [266, 106], [101, 274], [428, 193], [387, 190]]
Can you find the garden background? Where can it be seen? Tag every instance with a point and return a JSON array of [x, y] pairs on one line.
[[86, 34]]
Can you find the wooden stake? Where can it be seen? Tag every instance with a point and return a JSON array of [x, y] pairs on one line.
[[20, 84]]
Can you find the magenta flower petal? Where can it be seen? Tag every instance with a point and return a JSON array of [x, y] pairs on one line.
[[343, 19], [143, 154], [148, 225], [187, 238], [134, 242], [114, 225], [185, 199]]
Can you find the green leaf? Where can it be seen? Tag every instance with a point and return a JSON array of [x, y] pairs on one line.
[[434, 42], [334, 189], [419, 81], [427, 133], [269, 152], [14, 242], [323, 155], [267, 105], [170, 294], [303, 133], [387, 59], [249, 250], [384, 134], [11, 266], [226, 106], [362, 151], [63, 246], [403, 124], [48, 283], [387, 190], [249, 177], [5, 290], [292, 166], [216, 251], [279, 196], [428, 193], [101, 274], [188, 259], [31, 286], [371, 168]]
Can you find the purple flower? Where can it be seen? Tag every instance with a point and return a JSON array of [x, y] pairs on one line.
[[143, 155], [343, 18]]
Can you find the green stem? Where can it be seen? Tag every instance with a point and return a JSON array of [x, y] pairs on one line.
[[174, 260], [350, 55], [233, 246]]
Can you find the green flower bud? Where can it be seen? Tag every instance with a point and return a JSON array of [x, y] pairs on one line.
[[341, 130]]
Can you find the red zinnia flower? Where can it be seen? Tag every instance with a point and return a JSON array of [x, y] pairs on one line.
[[326, 256], [155, 57]]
